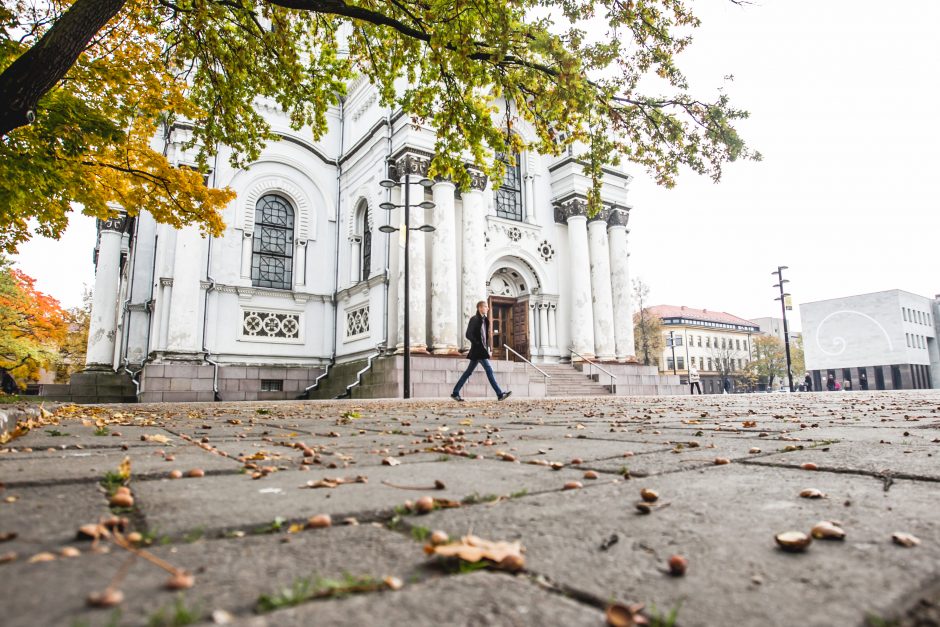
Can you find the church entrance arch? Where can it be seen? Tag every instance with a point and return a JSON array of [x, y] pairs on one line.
[[509, 293]]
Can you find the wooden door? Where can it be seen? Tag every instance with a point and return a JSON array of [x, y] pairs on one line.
[[501, 326]]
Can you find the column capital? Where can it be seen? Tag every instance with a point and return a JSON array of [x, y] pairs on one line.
[[116, 224], [478, 179], [570, 207], [409, 161], [618, 216]]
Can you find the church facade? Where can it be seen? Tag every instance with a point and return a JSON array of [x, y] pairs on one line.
[[303, 279]]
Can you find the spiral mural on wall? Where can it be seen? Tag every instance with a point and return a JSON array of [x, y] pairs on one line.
[[838, 341]]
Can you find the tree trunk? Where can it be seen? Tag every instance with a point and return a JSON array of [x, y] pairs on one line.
[[38, 70]]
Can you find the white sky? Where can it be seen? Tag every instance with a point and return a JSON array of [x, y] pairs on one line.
[[843, 107]]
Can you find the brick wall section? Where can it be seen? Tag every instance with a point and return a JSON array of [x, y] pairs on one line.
[[194, 382]]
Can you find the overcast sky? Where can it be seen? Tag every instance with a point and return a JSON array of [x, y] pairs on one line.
[[843, 102]]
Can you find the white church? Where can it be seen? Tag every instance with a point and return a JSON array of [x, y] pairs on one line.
[[302, 297]]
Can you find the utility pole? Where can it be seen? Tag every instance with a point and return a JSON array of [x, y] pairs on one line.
[[783, 308]]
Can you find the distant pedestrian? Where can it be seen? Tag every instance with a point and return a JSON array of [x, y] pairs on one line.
[[808, 383], [727, 385], [831, 382], [838, 387], [863, 379], [847, 386], [478, 334], [694, 379]]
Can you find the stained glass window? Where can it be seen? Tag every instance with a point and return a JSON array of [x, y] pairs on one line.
[[509, 194], [273, 243]]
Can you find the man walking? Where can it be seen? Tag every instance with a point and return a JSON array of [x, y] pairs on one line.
[[478, 334]]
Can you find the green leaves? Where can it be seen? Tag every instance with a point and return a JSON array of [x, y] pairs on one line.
[[488, 76]]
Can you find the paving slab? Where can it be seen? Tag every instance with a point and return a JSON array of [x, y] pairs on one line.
[[476, 600], [871, 457], [90, 465], [230, 573], [724, 520], [47, 517], [235, 502], [686, 457]]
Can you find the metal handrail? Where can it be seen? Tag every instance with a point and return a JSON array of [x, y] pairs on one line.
[[613, 377], [544, 374], [315, 385], [349, 388]]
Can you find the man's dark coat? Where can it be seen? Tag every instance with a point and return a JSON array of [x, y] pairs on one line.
[[477, 333]]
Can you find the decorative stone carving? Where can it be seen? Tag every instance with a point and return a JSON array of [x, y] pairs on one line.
[[575, 206], [514, 233], [357, 322], [115, 224], [546, 250], [477, 179], [413, 162], [618, 216], [267, 325]]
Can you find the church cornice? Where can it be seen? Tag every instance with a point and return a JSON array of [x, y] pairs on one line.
[[246, 292], [574, 160], [362, 287]]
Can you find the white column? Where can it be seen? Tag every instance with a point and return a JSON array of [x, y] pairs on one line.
[[355, 258], [102, 326], [582, 315], [621, 291], [418, 292], [543, 326], [533, 330], [472, 270], [246, 254], [604, 344], [184, 321], [552, 325], [444, 286], [300, 264]]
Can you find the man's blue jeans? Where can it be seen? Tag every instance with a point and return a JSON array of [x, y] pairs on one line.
[[489, 375]]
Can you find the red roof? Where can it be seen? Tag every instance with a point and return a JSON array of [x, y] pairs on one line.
[[672, 311]]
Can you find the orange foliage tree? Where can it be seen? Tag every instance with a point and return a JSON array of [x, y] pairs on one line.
[[32, 324]]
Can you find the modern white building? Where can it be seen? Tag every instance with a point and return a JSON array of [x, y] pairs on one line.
[[303, 280], [880, 341]]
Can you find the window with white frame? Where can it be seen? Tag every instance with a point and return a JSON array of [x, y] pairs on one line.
[[272, 250], [509, 194], [362, 244]]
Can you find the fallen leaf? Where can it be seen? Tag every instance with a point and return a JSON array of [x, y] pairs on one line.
[[904, 539], [156, 437], [390, 461], [45, 556], [470, 548]]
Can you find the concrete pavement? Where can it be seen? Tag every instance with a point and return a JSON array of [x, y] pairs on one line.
[[502, 470]]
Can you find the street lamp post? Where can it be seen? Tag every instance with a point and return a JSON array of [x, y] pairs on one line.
[[388, 229], [783, 308]]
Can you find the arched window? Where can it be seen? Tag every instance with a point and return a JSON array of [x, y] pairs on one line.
[[273, 243], [365, 246], [509, 194]]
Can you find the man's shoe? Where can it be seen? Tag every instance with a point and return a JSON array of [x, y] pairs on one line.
[[456, 397], [504, 395]]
